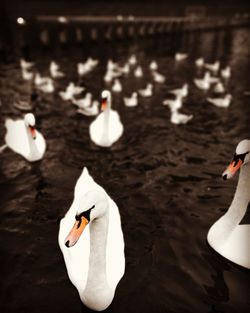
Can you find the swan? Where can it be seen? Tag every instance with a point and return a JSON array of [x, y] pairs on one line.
[[132, 60], [71, 91], [107, 127], [90, 110], [131, 101], [125, 69], [23, 138], [221, 102], [153, 66], [117, 86], [25, 65], [219, 88], [84, 102], [47, 87], [54, 70], [203, 83], [182, 92], [27, 75], [39, 80], [180, 118], [173, 104], [226, 236], [214, 67], [88, 66], [199, 62], [147, 92], [91, 240], [158, 78], [180, 56], [226, 72], [138, 72]]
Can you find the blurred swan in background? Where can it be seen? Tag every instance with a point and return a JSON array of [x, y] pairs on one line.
[[179, 118], [23, 138], [219, 88], [91, 240], [221, 102], [84, 102], [226, 72], [131, 101], [203, 83], [180, 92], [117, 86], [173, 104], [226, 236], [132, 60], [107, 128], [180, 56], [138, 72], [25, 65], [91, 110], [214, 67], [153, 66], [147, 92], [199, 62], [158, 78], [55, 70]]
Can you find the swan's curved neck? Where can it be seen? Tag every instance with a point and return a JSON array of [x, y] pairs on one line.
[[105, 132], [97, 285], [32, 145], [223, 228]]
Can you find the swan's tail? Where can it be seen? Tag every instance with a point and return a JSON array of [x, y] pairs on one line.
[[3, 148]]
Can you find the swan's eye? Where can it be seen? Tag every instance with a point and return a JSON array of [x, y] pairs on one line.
[[238, 157], [85, 214]]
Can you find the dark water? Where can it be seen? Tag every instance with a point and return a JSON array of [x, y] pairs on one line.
[[164, 178]]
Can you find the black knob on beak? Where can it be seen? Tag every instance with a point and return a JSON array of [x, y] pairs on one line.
[[224, 176]]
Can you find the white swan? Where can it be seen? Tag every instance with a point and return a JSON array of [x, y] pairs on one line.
[[203, 83], [27, 75], [173, 104], [226, 236], [219, 88], [91, 240], [180, 118], [180, 56], [84, 102], [117, 86], [90, 110], [23, 138], [54, 70], [147, 92], [221, 102], [138, 72], [131, 101], [25, 65], [199, 62], [39, 80], [107, 127], [226, 72], [158, 78], [214, 67], [182, 92], [132, 60], [153, 66]]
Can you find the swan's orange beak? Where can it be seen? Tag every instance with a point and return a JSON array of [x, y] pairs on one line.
[[104, 104], [233, 167], [33, 132], [76, 232]]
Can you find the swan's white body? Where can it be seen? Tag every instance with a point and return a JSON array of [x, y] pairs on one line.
[[199, 62], [179, 118], [18, 138], [153, 66], [138, 72], [107, 128], [147, 92], [132, 60], [54, 70], [203, 83], [84, 102], [27, 75], [90, 110], [226, 236], [180, 56], [131, 101], [226, 72], [221, 102], [96, 263], [214, 67], [173, 104], [117, 86], [180, 92], [219, 88], [158, 78]]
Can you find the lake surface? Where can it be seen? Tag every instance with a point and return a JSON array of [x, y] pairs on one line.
[[165, 179]]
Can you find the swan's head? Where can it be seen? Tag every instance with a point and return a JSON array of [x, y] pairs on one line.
[[106, 99], [92, 206], [241, 157], [30, 122]]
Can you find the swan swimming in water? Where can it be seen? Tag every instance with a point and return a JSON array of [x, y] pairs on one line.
[[226, 236], [131, 101], [221, 102], [107, 128], [92, 244], [23, 138]]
